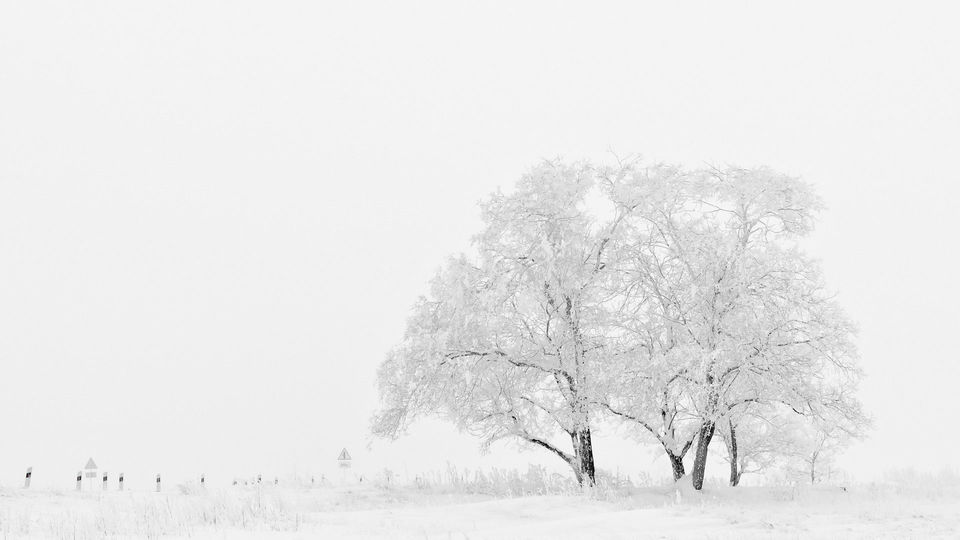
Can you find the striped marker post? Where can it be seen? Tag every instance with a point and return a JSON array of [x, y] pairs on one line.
[[120, 481], [158, 482], [203, 480], [79, 480], [259, 478], [104, 480], [26, 481]]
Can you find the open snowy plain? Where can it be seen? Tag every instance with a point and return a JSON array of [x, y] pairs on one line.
[[372, 510]]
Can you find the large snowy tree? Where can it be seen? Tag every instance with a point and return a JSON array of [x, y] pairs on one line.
[[511, 344]]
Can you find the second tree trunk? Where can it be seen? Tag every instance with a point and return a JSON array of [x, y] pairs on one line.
[[700, 461]]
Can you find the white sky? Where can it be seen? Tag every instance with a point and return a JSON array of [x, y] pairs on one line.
[[214, 216]]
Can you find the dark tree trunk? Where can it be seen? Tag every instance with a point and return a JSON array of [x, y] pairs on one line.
[[732, 446], [581, 461], [676, 458], [676, 463], [585, 455], [700, 461]]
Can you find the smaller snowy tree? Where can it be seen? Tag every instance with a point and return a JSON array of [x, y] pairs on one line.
[[815, 447], [756, 438], [738, 314]]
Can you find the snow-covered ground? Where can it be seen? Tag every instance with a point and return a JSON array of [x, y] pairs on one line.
[[372, 511]]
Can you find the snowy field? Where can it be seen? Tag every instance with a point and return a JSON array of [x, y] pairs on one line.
[[888, 510]]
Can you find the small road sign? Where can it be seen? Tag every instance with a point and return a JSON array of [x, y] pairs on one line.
[[344, 459]]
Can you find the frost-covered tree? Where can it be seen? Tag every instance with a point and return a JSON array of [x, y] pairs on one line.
[[511, 344], [738, 314], [814, 445], [680, 306]]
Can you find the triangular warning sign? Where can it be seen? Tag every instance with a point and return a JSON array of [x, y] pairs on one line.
[[344, 455], [90, 464]]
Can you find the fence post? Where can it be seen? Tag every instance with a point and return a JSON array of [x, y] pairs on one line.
[[26, 481], [158, 482], [120, 481], [79, 479], [104, 480]]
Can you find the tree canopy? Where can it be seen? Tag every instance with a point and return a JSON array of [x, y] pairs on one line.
[[675, 300]]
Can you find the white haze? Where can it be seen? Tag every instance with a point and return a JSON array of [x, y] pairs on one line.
[[215, 216]]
